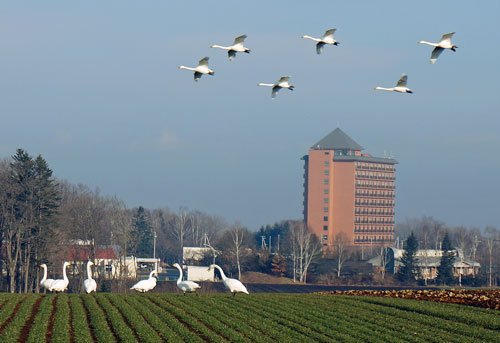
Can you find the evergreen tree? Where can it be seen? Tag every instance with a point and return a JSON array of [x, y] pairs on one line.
[[141, 244], [445, 269], [408, 270], [278, 265]]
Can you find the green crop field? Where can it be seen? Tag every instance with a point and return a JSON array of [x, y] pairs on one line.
[[156, 317]]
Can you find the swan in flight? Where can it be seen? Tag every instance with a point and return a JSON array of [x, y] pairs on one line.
[[326, 39], [45, 283], [282, 83], [60, 285], [234, 286], [236, 47], [444, 43], [146, 285], [400, 87], [185, 286], [89, 284], [201, 69]]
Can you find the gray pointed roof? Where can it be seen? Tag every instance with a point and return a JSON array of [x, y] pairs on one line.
[[337, 139]]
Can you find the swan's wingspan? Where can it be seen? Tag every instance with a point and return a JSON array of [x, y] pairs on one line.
[[276, 89], [402, 81], [231, 54], [447, 37], [284, 79], [435, 54], [203, 62], [197, 75], [239, 39], [329, 33], [319, 48]]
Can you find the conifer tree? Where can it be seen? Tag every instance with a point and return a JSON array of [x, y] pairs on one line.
[[141, 244], [445, 268], [408, 270]]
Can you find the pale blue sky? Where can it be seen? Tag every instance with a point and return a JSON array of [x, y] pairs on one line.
[[94, 87]]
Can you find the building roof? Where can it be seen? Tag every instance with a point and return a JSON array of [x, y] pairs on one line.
[[83, 252], [337, 139]]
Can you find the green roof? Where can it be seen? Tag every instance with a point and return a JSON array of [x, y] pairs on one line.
[[337, 139]]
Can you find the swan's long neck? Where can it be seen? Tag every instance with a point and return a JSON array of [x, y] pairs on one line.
[[188, 68], [89, 271], [428, 43], [221, 47], [44, 274], [312, 38], [266, 84], [384, 89], [180, 274], [221, 272], [65, 277], [151, 274]]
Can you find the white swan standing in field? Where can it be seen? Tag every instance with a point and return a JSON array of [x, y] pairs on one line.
[[146, 285], [89, 284], [45, 283], [283, 82], [236, 47], [234, 286], [400, 87], [326, 39], [444, 43], [185, 286], [201, 69], [60, 285]]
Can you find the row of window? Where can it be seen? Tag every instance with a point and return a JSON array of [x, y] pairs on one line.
[[377, 211], [374, 220], [374, 166], [375, 184], [369, 229], [373, 239], [374, 202], [375, 176], [375, 193]]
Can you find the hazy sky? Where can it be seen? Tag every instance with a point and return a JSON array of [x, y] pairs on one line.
[[93, 87]]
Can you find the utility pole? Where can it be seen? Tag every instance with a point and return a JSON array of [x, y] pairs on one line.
[[154, 244]]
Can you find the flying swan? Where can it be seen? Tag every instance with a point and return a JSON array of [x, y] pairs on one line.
[[400, 87], [326, 39], [444, 43], [45, 283], [60, 285], [185, 286], [89, 284], [146, 285], [233, 285], [282, 83], [201, 69], [236, 47]]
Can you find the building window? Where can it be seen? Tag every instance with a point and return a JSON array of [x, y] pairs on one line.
[[326, 163], [325, 200], [325, 218], [326, 172], [325, 227], [325, 209], [325, 191], [325, 237], [325, 181]]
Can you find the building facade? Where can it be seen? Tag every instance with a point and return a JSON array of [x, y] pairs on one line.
[[350, 192]]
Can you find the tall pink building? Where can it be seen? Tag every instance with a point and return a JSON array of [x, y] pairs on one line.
[[348, 191]]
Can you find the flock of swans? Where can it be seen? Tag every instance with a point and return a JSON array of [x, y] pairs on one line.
[[143, 286], [327, 39]]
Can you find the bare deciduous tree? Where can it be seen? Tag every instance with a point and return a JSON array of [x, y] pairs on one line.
[[305, 247]]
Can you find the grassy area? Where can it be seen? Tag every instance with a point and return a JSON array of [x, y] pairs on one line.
[[155, 317]]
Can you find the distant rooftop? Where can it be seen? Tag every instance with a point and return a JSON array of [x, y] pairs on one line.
[[337, 139]]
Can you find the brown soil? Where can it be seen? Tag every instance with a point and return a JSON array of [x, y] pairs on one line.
[[52, 318], [12, 316], [25, 332], [486, 298], [255, 277]]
